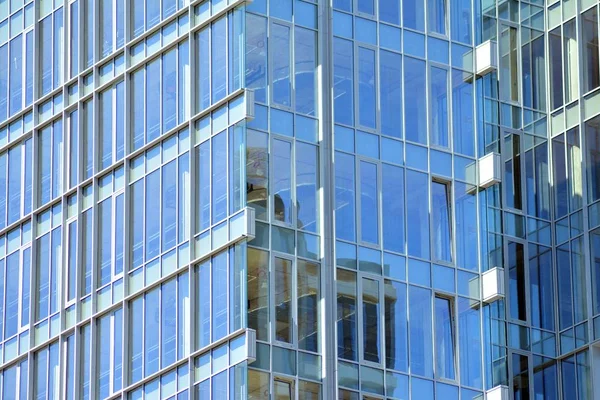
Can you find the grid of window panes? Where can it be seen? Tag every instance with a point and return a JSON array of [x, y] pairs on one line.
[[284, 269], [405, 201], [103, 149]]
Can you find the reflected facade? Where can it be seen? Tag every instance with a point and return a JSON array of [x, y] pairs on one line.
[[288, 199]]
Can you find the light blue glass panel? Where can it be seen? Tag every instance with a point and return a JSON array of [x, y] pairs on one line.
[[152, 100], [366, 88], [420, 322], [366, 31], [282, 181], [465, 208], [280, 39], [151, 332], [307, 171], [390, 37], [369, 202], [203, 282], [305, 64], [46, 55], [367, 144], [461, 23], [168, 323], [344, 196], [389, 11], [342, 25], [219, 177], [152, 239], [438, 110], [256, 55], [414, 110], [396, 327], [16, 71], [417, 195], [413, 14], [442, 221], [393, 208], [219, 59], [343, 81], [169, 90], [414, 44], [366, 6], [390, 89]]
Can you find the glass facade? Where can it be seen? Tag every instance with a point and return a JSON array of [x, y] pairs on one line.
[[293, 199]]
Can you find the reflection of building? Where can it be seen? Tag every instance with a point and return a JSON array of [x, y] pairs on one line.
[[277, 199]]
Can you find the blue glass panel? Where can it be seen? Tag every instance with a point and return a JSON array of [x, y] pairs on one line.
[[168, 323], [390, 92], [366, 88], [152, 223], [344, 196], [369, 202], [136, 330], [396, 327], [219, 177], [414, 110], [219, 296], [151, 344], [343, 81], [219, 59]]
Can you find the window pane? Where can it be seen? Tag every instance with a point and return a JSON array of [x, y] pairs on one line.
[[417, 212], [420, 320], [396, 330], [415, 110], [219, 296], [307, 184], [256, 55], [344, 196], [305, 64], [343, 81], [442, 221], [413, 12], [436, 9], [281, 64], [393, 208], [369, 203], [257, 173], [516, 272], [308, 301], [151, 331], [444, 338], [591, 62], [346, 315], [258, 293], [219, 177], [282, 171], [219, 59], [366, 88], [283, 300], [390, 92]]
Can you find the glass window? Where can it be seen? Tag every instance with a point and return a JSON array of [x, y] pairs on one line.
[[389, 11], [555, 61], [591, 60], [258, 293], [420, 322], [462, 114], [16, 74], [461, 24], [346, 315], [283, 300], [219, 177], [396, 328], [219, 296], [469, 321], [282, 181], [305, 65], [516, 277], [390, 93], [442, 221], [371, 321], [512, 171], [413, 14], [257, 172], [369, 202], [520, 379], [509, 67], [541, 284], [308, 305], [592, 132], [344, 196], [436, 10], [282, 85], [415, 111], [393, 208], [343, 81], [444, 339], [417, 212], [439, 107], [203, 283], [256, 55], [571, 72], [534, 80], [219, 59], [366, 88], [169, 90], [307, 185], [152, 100]]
